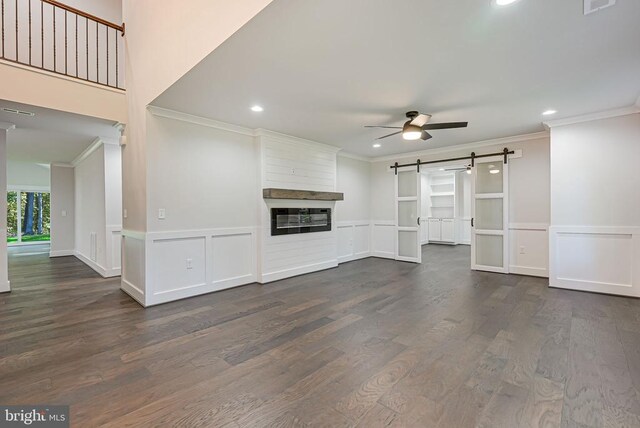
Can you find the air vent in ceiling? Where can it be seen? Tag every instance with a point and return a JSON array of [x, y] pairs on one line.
[[591, 6], [14, 111]]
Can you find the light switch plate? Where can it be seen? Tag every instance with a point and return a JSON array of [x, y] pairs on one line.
[[161, 213]]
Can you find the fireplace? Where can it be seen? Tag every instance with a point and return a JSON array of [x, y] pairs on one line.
[[288, 221]]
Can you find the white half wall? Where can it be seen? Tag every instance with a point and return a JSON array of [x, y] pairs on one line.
[[595, 205], [62, 211]]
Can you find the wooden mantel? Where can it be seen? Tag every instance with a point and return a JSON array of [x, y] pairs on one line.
[[307, 195]]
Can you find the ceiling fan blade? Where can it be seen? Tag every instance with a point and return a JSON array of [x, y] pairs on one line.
[[385, 127], [447, 125], [390, 135], [425, 135], [421, 119]]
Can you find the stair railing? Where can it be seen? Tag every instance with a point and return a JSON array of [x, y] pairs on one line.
[[61, 39]]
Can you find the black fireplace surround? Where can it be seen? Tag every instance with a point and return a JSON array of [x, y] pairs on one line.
[[289, 221]]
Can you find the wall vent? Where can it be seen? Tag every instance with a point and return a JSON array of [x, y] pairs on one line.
[[591, 6], [14, 111]]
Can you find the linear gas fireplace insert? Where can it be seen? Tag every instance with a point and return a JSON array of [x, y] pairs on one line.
[[288, 221]]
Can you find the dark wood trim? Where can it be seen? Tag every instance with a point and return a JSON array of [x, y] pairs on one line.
[[86, 15], [307, 195]]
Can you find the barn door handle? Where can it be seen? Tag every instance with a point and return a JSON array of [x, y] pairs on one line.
[[418, 221], [471, 221]]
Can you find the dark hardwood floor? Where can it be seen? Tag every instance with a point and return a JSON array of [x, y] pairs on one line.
[[371, 343]]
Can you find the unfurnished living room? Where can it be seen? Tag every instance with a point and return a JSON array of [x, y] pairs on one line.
[[336, 213]]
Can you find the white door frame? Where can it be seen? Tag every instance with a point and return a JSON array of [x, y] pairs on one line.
[[416, 227], [505, 215]]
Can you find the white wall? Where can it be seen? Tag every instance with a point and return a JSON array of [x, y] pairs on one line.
[[528, 199], [203, 177], [157, 30], [595, 205], [28, 175], [90, 208], [97, 206], [62, 211], [353, 215], [4, 271], [206, 181]]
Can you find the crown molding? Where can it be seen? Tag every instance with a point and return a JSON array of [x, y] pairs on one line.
[[62, 164], [86, 152], [197, 120], [458, 147], [216, 124], [607, 114], [7, 125]]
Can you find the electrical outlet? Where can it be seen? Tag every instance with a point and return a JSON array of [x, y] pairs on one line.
[[189, 263], [161, 213], [293, 171], [522, 250], [64, 213]]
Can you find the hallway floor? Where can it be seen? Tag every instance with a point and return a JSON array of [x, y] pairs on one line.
[[371, 343]]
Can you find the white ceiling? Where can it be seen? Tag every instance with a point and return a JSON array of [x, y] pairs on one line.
[[323, 69], [51, 136]]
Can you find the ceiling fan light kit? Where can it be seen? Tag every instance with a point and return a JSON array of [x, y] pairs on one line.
[[411, 132]]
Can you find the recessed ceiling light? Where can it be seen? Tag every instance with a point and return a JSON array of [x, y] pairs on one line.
[[377, 146], [494, 171], [549, 112], [504, 2], [441, 169], [257, 108]]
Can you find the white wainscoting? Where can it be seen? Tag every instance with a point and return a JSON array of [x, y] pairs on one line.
[[383, 239], [133, 277], [354, 240], [114, 250], [189, 263], [529, 249], [597, 259]]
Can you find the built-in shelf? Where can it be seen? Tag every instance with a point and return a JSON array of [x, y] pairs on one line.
[[307, 195]]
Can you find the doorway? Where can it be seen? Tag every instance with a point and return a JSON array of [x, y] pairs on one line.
[[28, 217]]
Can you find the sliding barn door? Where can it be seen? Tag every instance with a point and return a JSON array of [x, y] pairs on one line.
[[408, 246], [489, 212]]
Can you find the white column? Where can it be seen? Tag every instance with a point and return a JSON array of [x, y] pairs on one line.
[[4, 270]]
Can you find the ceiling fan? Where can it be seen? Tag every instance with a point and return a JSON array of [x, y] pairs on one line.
[[417, 126]]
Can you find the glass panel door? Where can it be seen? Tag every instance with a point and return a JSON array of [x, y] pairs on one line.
[[408, 216], [489, 211]]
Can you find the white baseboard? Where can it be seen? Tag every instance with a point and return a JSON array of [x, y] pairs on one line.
[[353, 257], [287, 273], [61, 253], [530, 271], [132, 291], [5, 287], [104, 272], [383, 255]]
